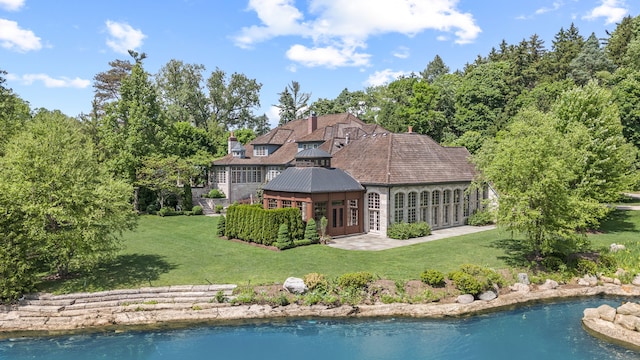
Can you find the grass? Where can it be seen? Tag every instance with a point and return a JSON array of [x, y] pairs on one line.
[[183, 250]]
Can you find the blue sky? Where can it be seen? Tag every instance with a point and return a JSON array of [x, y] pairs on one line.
[[53, 49]]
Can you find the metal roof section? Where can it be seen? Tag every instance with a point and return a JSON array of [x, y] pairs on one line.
[[312, 180], [313, 153]]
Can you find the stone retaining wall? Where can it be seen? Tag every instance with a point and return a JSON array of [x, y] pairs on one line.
[[44, 314]]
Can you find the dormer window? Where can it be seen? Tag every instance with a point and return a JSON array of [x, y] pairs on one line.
[[260, 150], [238, 151]]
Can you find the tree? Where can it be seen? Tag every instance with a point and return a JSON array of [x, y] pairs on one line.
[[134, 126], [627, 97], [182, 93], [565, 47], [435, 68], [14, 113], [606, 158], [64, 209], [164, 175], [589, 61], [233, 100], [617, 43], [106, 85], [481, 98], [531, 167], [292, 103]]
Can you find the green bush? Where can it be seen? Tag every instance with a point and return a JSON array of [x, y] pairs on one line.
[[254, 224], [197, 210], [355, 281], [311, 232], [480, 218], [584, 267], [432, 277], [215, 194], [220, 227], [297, 243], [219, 208], [466, 283], [284, 240], [316, 282], [403, 231], [474, 279], [165, 211], [152, 209]]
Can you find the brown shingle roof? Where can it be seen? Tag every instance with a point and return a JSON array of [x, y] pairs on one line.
[[395, 159], [286, 136]]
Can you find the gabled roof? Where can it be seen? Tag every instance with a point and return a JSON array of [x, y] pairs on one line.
[[410, 158], [329, 127], [310, 180]]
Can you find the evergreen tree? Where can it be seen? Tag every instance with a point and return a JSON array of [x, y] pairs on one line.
[[589, 61], [311, 232]]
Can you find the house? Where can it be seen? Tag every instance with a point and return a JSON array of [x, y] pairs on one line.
[[404, 177]]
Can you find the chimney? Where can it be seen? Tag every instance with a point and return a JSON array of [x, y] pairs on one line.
[[410, 129], [346, 139], [231, 143], [312, 123]]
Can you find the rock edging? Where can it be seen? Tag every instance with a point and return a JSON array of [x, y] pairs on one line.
[[617, 325], [46, 314]]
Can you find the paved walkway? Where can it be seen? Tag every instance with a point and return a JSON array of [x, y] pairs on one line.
[[370, 242]]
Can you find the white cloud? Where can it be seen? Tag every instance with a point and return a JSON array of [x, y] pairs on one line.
[[402, 52], [556, 6], [62, 82], [123, 37], [274, 116], [340, 27], [11, 5], [329, 56], [612, 10], [384, 77], [12, 37]]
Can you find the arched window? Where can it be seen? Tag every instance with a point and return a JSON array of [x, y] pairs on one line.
[[435, 207], [446, 206], [374, 211], [398, 206], [424, 206], [457, 194], [411, 207]]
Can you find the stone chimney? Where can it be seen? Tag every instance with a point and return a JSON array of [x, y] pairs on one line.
[[312, 123], [231, 142]]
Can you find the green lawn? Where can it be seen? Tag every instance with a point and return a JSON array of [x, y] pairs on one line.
[[183, 250]]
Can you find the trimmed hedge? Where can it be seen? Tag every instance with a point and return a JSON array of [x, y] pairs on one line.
[[252, 223], [403, 231]]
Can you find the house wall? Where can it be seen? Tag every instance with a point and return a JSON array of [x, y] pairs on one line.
[[382, 216], [436, 212], [340, 225]]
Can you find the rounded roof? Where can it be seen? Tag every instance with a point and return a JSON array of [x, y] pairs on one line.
[[313, 154]]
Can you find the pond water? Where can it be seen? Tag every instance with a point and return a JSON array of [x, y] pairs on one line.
[[545, 331]]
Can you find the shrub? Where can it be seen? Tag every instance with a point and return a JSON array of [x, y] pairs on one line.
[[165, 211], [219, 208], [284, 240], [215, 194], [584, 267], [316, 282], [187, 198], [474, 279], [220, 227], [297, 243], [403, 231], [311, 232], [432, 277], [355, 281], [480, 218], [466, 283], [152, 208], [197, 210]]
